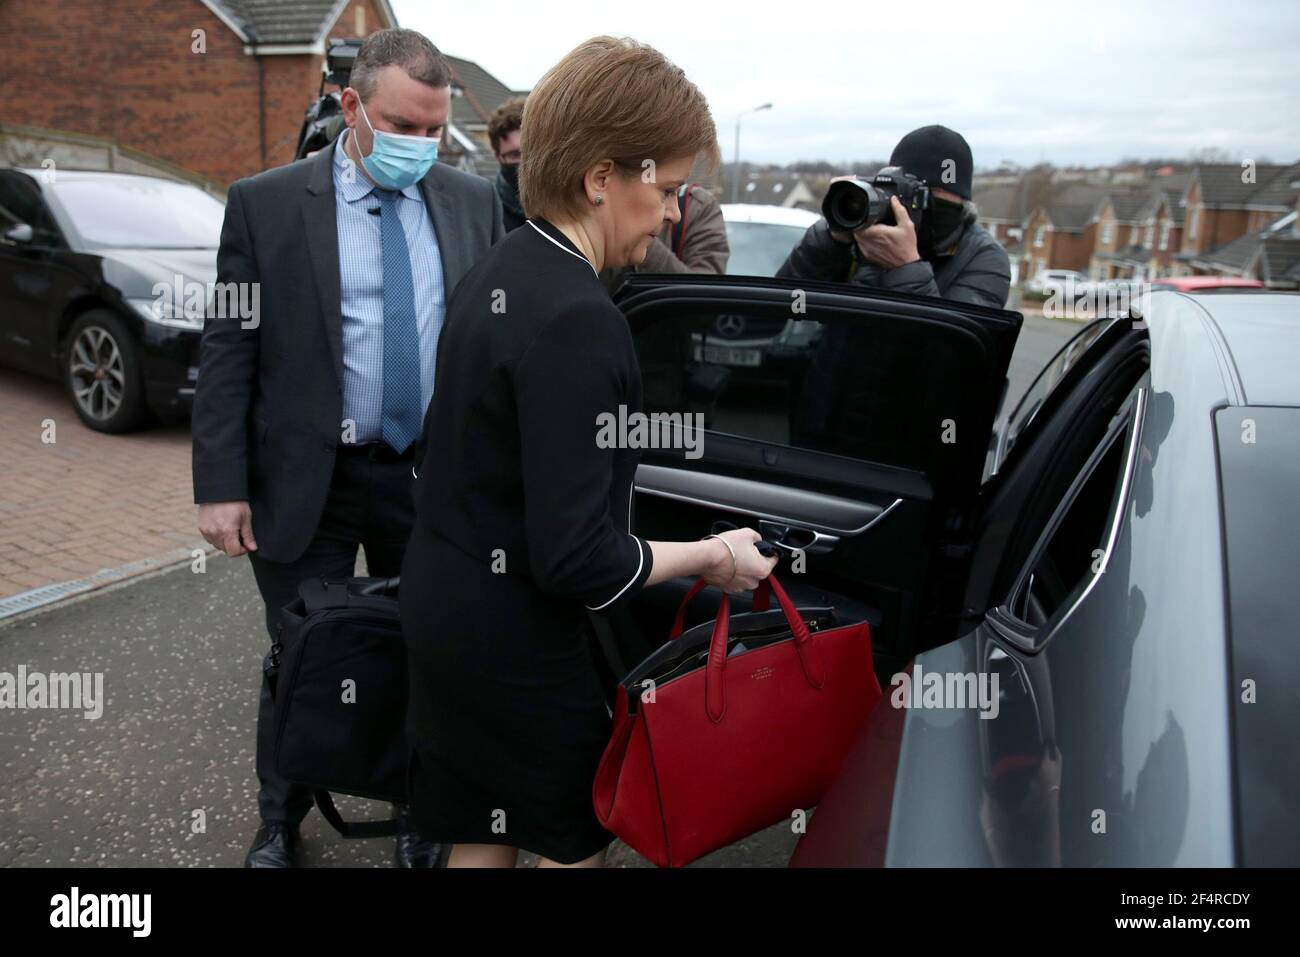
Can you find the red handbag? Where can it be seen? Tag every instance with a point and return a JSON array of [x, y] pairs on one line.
[[732, 726]]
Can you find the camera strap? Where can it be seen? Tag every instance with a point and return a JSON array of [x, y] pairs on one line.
[[678, 234]]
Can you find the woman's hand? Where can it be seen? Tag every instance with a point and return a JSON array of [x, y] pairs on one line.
[[751, 567]]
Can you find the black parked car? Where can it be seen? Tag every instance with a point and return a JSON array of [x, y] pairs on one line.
[[103, 284], [1119, 551]]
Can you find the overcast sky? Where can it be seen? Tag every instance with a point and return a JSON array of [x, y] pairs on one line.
[[1067, 82]]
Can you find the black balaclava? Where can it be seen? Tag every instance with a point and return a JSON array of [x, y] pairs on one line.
[[942, 158], [510, 172]]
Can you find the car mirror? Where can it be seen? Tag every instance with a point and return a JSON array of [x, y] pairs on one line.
[[20, 233]]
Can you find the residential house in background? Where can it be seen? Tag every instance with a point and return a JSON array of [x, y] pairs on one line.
[[1223, 205], [772, 188], [1271, 255], [1108, 231], [214, 88], [1001, 208], [477, 94], [1060, 233], [204, 90], [1164, 236], [1125, 229]]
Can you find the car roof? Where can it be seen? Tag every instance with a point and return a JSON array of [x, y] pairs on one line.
[[92, 175], [768, 215], [1262, 333]]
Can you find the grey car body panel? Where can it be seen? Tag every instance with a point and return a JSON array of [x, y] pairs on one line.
[[1129, 700], [1263, 335]]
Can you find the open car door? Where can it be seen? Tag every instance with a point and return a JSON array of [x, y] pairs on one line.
[[850, 426]]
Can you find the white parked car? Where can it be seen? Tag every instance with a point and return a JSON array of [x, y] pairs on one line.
[[1067, 280], [761, 237]]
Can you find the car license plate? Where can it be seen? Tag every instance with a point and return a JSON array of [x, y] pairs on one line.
[[728, 356]]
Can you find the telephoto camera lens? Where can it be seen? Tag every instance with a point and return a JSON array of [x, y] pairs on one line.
[[851, 204]]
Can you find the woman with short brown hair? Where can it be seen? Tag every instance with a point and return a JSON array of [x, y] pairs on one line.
[[523, 517]]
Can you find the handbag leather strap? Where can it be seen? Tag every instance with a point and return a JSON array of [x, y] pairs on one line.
[[761, 602], [810, 659]]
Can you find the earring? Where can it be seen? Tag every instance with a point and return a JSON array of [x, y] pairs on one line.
[[600, 198]]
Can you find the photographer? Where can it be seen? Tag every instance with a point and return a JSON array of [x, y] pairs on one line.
[[949, 255]]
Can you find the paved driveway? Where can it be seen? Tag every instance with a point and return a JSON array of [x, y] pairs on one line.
[[85, 502]]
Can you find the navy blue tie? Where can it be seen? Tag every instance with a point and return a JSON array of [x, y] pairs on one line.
[[402, 416]]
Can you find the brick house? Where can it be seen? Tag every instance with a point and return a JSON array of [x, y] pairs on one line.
[[1271, 255], [1224, 205], [1120, 251], [1061, 233], [1001, 209], [215, 87], [1164, 238], [477, 95], [1139, 230]]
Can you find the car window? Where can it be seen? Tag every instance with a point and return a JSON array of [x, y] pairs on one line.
[[759, 249], [1047, 380], [1076, 544], [823, 381], [20, 202], [141, 212]]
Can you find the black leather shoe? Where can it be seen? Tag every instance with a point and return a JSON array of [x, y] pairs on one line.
[[274, 845], [411, 849]]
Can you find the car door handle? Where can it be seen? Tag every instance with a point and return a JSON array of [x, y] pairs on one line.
[[795, 538]]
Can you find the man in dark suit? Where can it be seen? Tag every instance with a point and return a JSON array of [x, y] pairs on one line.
[[305, 417]]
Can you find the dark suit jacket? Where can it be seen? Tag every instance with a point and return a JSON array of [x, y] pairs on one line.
[[268, 406]]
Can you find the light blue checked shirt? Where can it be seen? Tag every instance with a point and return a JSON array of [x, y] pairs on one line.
[[361, 292]]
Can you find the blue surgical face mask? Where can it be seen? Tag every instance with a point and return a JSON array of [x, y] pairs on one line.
[[397, 160]]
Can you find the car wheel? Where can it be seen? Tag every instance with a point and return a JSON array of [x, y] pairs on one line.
[[103, 374]]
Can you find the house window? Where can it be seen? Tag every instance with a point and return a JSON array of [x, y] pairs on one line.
[[1150, 235], [1191, 222], [1107, 233], [1039, 233], [1164, 235]]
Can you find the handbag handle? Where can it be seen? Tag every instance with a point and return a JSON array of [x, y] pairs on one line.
[[715, 700], [760, 603]]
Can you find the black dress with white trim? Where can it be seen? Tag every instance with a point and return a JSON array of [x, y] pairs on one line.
[[522, 526]]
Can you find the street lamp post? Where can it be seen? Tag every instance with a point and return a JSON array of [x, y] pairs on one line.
[[735, 172]]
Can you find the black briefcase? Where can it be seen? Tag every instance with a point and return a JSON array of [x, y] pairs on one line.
[[337, 672]]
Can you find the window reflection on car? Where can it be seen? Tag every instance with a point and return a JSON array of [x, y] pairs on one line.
[[140, 213]]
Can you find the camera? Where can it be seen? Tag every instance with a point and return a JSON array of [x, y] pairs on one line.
[[851, 204], [324, 119]]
